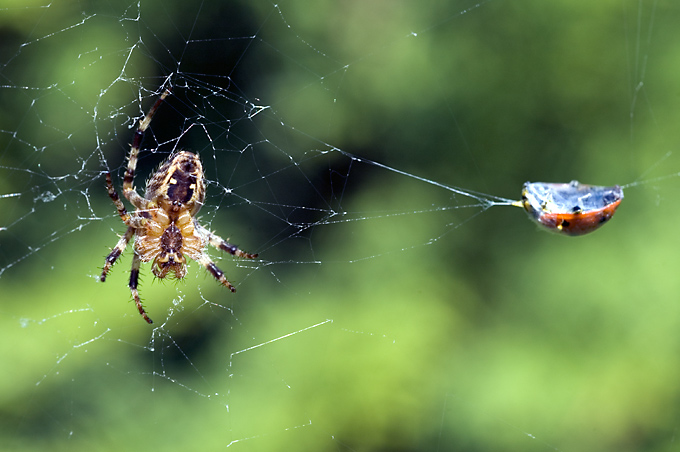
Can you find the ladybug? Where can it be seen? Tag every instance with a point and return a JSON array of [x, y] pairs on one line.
[[571, 209]]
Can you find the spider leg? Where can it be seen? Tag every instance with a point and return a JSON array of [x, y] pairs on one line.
[[128, 188], [117, 250], [134, 278], [221, 244], [113, 194], [133, 220], [215, 271]]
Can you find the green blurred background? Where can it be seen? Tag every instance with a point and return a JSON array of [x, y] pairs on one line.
[[419, 324]]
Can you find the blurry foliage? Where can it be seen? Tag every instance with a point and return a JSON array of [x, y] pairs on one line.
[[496, 336]]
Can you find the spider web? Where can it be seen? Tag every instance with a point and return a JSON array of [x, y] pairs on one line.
[[365, 150]]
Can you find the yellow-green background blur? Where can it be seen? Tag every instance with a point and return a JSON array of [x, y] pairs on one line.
[[494, 337]]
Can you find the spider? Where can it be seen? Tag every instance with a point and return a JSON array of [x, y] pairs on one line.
[[164, 223]]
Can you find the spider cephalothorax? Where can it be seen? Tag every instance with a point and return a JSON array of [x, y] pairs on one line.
[[164, 224]]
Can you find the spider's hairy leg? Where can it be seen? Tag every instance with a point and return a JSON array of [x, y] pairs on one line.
[[221, 244], [215, 271], [117, 251], [128, 188], [113, 194], [134, 279]]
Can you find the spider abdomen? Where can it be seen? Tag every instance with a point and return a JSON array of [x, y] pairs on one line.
[[178, 183]]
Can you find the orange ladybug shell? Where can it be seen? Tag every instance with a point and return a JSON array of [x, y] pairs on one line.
[[570, 209]]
